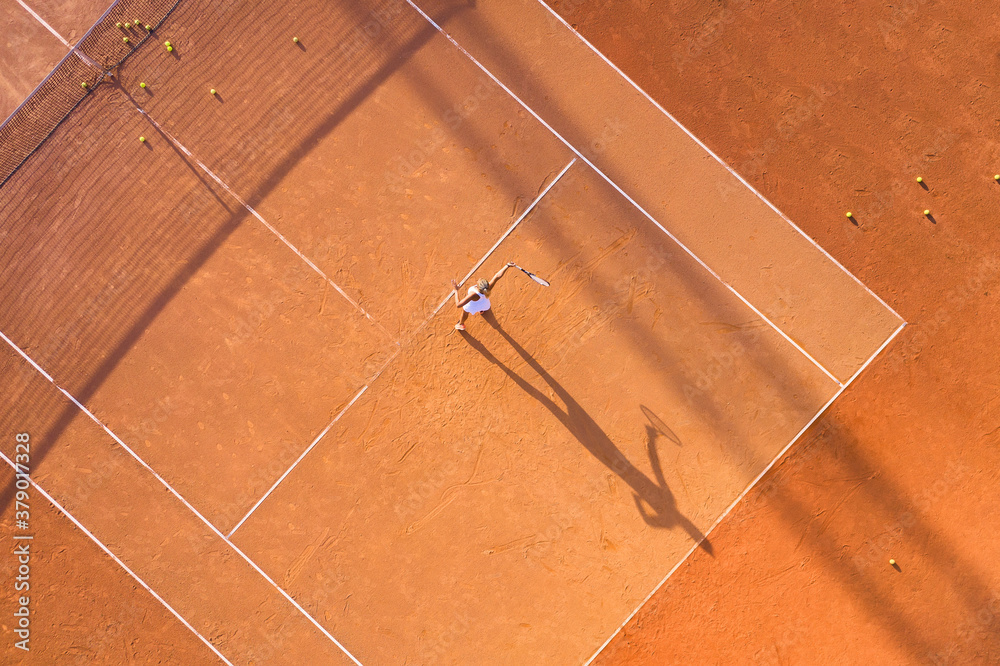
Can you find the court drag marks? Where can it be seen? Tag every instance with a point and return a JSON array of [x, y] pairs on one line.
[[69, 607], [676, 180], [173, 315], [498, 492], [390, 160], [154, 297], [439, 205], [150, 531], [27, 53], [843, 323]]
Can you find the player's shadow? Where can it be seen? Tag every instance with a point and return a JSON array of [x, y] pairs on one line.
[[653, 499]]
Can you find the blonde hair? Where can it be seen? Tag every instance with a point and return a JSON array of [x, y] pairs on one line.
[[483, 286]]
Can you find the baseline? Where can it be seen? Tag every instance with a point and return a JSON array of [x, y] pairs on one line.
[[717, 158], [743, 494]]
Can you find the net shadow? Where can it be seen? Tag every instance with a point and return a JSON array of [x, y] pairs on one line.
[[118, 250]]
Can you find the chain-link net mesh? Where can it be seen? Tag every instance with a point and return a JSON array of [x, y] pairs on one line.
[[133, 20], [35, 120], [116, 35]]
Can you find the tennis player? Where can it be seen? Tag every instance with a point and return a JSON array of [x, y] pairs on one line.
[[477, 300]]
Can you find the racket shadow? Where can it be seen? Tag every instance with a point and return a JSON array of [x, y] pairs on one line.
[[654, 500]]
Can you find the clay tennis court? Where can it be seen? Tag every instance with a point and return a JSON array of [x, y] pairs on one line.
[[256, 436]]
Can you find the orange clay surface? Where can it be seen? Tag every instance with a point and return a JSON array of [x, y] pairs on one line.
[[93, 611], [825, 110], [256, 289], [29, 51]]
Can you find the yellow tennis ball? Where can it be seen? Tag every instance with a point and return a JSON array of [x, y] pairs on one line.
[[142, 139], [170, 48], [142, 85], [212, 91], [919, 179], [849, 214], [927, 212]]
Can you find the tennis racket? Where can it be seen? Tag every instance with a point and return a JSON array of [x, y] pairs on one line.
[[544, 283]]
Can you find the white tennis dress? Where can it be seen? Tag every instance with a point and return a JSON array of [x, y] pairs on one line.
[[480, 305]]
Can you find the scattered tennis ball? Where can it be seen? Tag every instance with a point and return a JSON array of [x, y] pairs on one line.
[[170, 49], [166, 43], [84, 84], [919, 179], [295, 39], [142, 139], [927, 212], [125, 39], [850, 214], [892, 562], [118, 25], [996, 177], [149, 28], [212, 91], [142, 85]]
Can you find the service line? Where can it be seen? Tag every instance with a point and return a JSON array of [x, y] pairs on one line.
[[527, 211], [581, 156], [301, 456], [419, 328], [179, 497]]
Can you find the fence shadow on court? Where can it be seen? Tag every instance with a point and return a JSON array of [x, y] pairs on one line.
[[834, 452], [105, 335], [971, 585], [795, 391]]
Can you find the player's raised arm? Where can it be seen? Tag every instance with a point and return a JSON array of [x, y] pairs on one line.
[[500, 274]]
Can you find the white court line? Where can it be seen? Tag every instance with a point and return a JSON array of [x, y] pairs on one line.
[[743, 494], [486, 256], [622, 192], [303, 455], [173, 492], [270, 228], [47, 26], [393, 357], [114, 557], [72, 49], [718, 159]]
